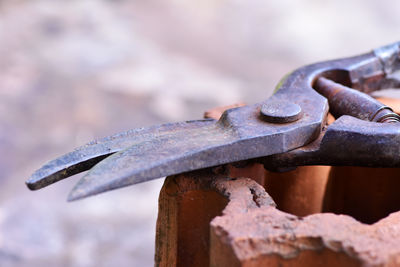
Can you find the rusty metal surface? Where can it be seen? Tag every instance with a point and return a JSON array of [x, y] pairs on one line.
[[244, 133], [280, 111], [346, 101], [85, 157], [347, 142], [357, 137], [228, 140]]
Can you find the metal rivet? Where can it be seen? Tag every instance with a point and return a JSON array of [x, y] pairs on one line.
[[280, 111]]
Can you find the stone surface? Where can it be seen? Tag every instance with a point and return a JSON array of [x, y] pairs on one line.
[[300, 191], [246, 229], [187, 204], [258, 235], [367, 194]]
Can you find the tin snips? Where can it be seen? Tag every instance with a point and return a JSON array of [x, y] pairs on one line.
[[287, 130]]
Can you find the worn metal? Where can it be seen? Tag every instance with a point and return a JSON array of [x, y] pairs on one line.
[[280, 111], [292, 135], [346, 101], [85, 157]]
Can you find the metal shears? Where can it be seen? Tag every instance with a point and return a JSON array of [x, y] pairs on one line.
[[287, 130]]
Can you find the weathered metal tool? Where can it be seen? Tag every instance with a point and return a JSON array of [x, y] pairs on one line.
[[287, 130]]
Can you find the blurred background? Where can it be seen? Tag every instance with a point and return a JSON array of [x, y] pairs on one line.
[[72, 71]]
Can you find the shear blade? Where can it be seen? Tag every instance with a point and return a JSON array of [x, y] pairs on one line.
[[238, 135], [85, 157], [156, 157]]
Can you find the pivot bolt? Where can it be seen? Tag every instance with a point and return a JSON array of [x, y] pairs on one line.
[[280, 111]]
